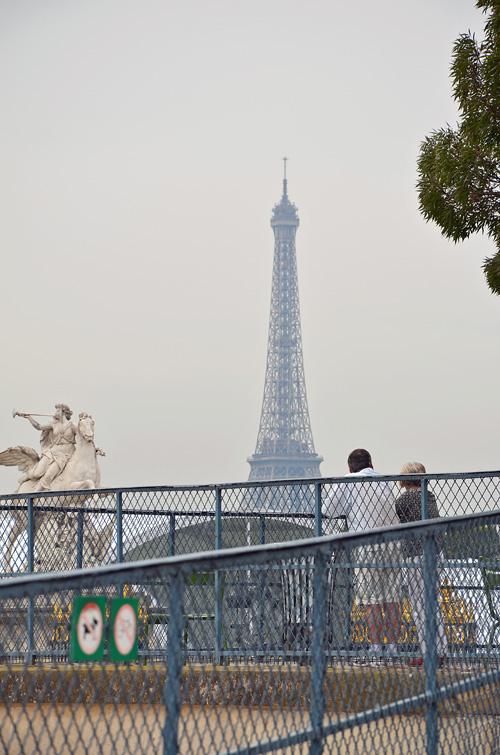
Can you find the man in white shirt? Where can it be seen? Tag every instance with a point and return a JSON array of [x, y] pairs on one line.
[[366, 505]]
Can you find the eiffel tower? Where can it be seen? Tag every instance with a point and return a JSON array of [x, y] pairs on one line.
[[285, 447]]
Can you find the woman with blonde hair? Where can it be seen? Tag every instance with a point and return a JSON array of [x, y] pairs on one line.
[[409, 509]]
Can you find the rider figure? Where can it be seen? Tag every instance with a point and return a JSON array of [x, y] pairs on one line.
[[58, 444]]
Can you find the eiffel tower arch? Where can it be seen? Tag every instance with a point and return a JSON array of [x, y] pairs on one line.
[[285, 446]]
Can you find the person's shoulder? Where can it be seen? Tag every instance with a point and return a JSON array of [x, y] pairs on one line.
[[405, 500], [366, 472], [370, 472]]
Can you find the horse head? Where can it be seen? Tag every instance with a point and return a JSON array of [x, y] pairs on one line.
[[86, 427]]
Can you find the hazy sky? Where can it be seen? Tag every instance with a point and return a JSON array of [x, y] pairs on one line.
[[140, 158]]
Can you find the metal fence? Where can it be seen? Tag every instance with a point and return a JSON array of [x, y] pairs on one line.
[[48, 531], [309, 682], [54, 532]]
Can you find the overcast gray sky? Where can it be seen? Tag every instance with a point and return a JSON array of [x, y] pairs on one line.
[[140, 158]]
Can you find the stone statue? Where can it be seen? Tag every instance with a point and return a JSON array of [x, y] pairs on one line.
[[57, 441], [57, 541], [68, 461]]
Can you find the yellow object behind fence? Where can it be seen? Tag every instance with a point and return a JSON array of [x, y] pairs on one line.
[[458, 619]]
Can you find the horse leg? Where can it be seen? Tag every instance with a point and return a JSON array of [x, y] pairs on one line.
[[98, 541], [104, 538], [37, 520], [20, 525]]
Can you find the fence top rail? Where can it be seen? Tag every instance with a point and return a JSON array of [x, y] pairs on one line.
[[30, 585], [308, 481]]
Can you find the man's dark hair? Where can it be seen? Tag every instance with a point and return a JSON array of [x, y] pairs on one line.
[[359, 459]]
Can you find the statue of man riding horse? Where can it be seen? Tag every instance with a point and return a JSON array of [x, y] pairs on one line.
[[62, 444], [68, 461]]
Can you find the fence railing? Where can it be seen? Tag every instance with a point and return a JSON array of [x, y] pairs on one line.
[[308, 679], [62, 531], [116, 524]]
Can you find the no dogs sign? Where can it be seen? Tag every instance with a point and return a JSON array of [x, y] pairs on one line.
[[87, 628]]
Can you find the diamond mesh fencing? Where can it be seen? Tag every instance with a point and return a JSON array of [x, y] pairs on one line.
[[64, 531], [48, 532], [381, 640]]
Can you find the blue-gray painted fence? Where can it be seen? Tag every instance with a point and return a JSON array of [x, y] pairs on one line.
[[451, 707]]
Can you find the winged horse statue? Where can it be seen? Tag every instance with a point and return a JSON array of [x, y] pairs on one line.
[[68, 462]]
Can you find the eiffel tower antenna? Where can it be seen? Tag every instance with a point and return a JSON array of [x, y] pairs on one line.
[[285, 447]]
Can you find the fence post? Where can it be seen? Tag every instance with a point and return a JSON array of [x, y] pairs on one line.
[[31, 567], [430, 656], [261, 596], [425, 499], [348, 574], [318, 524], [218, 519], [119, 528], [218, 578], [119, 538], [79, 540], [172, 534], [174, 665], [318, 670], [31, 536]]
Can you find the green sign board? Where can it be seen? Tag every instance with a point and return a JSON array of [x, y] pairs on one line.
[[87, 628], [123, 629]]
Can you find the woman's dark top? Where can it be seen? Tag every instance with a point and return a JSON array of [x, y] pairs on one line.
[[409, 509]]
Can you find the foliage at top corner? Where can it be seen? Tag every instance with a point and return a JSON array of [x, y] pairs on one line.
[[459, 169]]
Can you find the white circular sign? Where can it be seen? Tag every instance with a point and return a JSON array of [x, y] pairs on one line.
[[125, 629], [89, 628]]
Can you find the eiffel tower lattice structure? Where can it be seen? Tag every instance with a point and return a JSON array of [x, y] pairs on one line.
[[285, 446]]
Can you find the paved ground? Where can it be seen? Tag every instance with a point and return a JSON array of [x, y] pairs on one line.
[[69, 726], [120, 729]]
